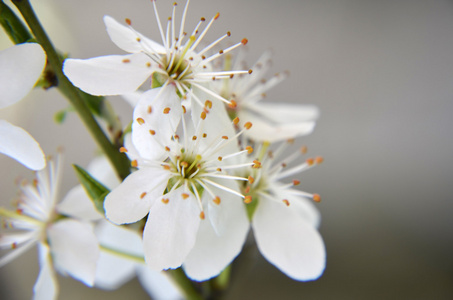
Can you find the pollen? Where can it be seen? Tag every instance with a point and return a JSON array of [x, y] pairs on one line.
[[248, 199], [203, 115], [296, 182], [236, 121], [150, 109], [166, 110], [128, 21], [143, 195], [248, 125], [185, 195], [244, 41], [152, 132], [208, 104], [249, 149], [134, 163], [286, 202], [140, 121], [126, 60], [123, 150], [233, 104], [251, 179], [202, 216], [216, 200], [165, 200], [316, 198], [319, 159]]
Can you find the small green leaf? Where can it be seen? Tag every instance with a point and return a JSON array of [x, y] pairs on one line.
[[96, 190]]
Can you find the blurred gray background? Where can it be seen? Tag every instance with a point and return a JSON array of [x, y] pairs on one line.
[[381, 73]]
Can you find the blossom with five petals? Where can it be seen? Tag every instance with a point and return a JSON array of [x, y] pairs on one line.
[[176, 61], [195, 216]]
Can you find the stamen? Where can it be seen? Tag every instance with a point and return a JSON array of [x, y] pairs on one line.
[[140, 121]]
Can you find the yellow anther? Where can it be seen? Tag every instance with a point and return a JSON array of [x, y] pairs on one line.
[[248, 199], [251, 179], [224, 137], [194, 138], [166, 110], [126, 60], [165, 200], [202, 216], [216, 200], [244, 41], [249, 149], [184, 164], [310, 161], [123, 150], [286, 202], [143, 195], [150, 109], [185, 196], [236, 121], [204, 135], [248, 125], [233, 104], [140, 121], [256, 165], [134, 163], [220, 158], [152, 132], [203, 115], [183, 109], [208, 104], [167, 148], [316, 198], [319, 159]]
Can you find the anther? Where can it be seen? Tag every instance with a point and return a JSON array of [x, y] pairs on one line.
[[319, 159], [166, 167], [165, 200], [166, 110], [256, 165], [128, 21], [316, 198], [205, 135], [247, 190], [244, 41], [202, 216], [286, 202], [216, 200], [148, 64], [14, 245], [183, 109], [303, 149], [123, 150], [284, 165], [126, 60], [232, 104], [310, 161], [249, 149], [224, 137], [138, 39], [153, 132], [140, 121], [220, 158], [143, 195], [203, 115], [248, 125], [219, 169], [251, 179], [202, 19], [248, 199], [208, 104], [250, 71], [236, 121], [134, 163], [296, 182], [217, 15], [150, 109], [185, 164], [221, 52], [228, 33], [194, 138], [185, 195]]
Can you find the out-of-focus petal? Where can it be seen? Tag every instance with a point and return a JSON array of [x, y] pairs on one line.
[[78, 204], [170, 230], [114, 270], [133, 198], [20, 68], [46, 286], [108, 75], [156, 118], [288, 241], [285, 112], [130, 40], [264, 130], [75, 249], [20, 145], [158, 285]]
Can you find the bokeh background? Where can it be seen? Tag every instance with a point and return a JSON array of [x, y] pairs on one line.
[[381, 73]]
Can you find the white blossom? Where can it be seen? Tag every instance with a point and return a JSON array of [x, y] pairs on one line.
[[272, 122], [195, 216], [65, 244], [20, 68], [284, 219], [178, 60]]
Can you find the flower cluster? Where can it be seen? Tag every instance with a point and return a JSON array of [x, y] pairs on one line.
[[205, 167]]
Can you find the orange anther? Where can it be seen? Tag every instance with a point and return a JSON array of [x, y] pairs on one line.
[[250, 72], [165, 200], [123, 150], [148, 64], [319, 159], [232, 104], [194, 138], [166, 167], [128, 21], [140, 121], [216, 200], [249, 149], [202, 216], [224, 137], [134, 163], [244, 41], [236, 121], [205, 135], [296, 182], [185, 195], [208, 104], [286, 202], [316, 198], [248, 125], [303, 149], [251, 179], [183, 109], [247, 199], [126, 60], [203, 115], [143, 195], [217, 15], [150, 109], [167, 148], [310, 161], [166, 110], [152, 132], [220, 158]]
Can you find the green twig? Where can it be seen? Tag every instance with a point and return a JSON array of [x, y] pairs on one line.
[[74, 95], [185, 284]]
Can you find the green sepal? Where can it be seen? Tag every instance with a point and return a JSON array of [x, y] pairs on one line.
[[251, 207], [157, 80], [13, 26], [96, 190]]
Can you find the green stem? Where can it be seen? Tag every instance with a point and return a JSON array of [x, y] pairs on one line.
[[75, 96], [185, 284], [13, 26]]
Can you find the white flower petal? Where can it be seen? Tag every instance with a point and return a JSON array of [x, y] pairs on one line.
[[77, 204], [212, 252], [108, 75], [20, 145], [263, 130], [46, 286], [113, 270], [101, 169], [75, 249], [170, 230], [288, 241], [158, 285], [20, 68], [132, 199], [128, 39], [149, 116], [285, 112]]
